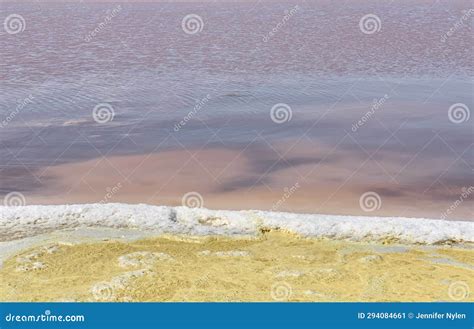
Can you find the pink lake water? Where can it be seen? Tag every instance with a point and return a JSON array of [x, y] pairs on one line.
[[223, 82]]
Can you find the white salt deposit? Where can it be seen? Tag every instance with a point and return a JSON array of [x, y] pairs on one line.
[[27, 221]]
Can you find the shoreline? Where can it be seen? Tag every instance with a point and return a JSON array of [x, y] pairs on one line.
[[137, 253], [27, 221]]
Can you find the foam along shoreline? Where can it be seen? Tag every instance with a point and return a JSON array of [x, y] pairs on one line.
[[28, 221]]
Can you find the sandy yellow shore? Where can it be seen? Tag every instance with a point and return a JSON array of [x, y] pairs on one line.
[[273, 267]]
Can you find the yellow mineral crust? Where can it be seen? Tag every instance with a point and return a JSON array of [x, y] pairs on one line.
[[276, 266]]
